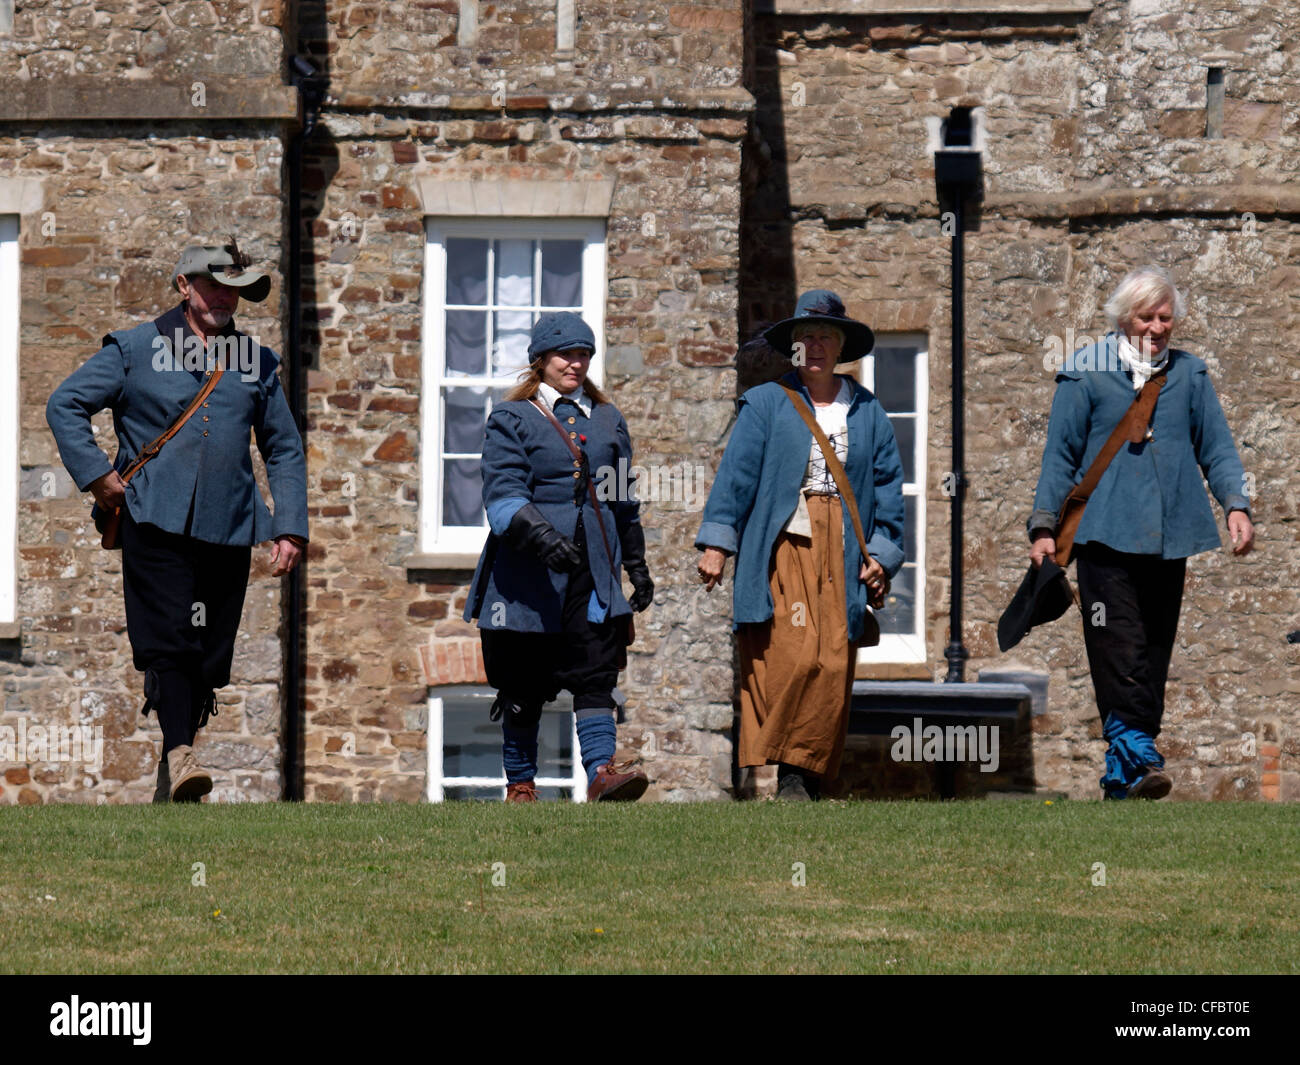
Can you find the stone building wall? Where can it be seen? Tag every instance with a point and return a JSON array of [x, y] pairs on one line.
[[755, 151], [128, 130], [143, 41], [1095, 162], [650, 98]]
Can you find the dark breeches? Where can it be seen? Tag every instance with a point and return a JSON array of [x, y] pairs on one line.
[[184, 599]]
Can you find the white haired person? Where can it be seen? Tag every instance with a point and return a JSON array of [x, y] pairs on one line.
[[1145, 516]]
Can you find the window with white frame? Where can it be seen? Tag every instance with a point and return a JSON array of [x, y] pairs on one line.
[[9, 306], [464, 748], [486, 283], [897, 371]]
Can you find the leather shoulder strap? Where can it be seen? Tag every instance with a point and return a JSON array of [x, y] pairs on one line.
[[580, 456], [1132, 428], [832, 463]]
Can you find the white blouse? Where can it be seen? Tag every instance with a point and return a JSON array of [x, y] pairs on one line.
[[833, 420]]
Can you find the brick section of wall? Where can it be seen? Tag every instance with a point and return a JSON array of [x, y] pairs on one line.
[[672, 246], [101, 259], [670, 310]]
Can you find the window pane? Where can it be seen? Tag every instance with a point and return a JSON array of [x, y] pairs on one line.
[[466, 343], [471, 743], [466, 270], [514, 270], [896, 379], [899, 614], [909, 527], [562, 273], [905, 434], [555, 745], [464, 417], [462, 493], [512, 330]]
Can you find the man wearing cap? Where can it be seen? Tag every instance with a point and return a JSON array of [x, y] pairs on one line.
[[190, 516], [548, 594], [803, 582]]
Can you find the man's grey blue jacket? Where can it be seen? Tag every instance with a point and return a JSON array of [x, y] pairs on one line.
[[201, 482], [1151, 499], [526, 461], [757, 489]]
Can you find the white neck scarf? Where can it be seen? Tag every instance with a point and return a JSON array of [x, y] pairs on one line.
[[1132, 359], [554, 395]]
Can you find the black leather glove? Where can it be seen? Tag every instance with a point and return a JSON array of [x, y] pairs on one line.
[[633, 542], [532, 534]]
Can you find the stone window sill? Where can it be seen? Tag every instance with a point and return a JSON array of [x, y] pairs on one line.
[[443, 560]]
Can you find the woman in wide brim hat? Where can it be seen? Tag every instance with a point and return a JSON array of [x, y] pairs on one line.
[[802, 587], [822, 305]]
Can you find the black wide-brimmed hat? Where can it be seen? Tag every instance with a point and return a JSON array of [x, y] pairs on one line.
[[822, 305], [1043, 596]]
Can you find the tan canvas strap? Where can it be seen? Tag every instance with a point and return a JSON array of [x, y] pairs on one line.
[[1132, 428], [833, 464], [576, 452], [153, 449]]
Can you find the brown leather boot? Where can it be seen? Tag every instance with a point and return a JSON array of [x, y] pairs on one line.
[[523, 791], [190, 781], [622, 782]]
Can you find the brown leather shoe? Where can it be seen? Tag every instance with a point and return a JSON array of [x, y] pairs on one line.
[[1155, 784], [523, 791], [622, 782], [190, 781]]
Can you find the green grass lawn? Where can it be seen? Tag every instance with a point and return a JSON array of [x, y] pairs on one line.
[[971, 887]]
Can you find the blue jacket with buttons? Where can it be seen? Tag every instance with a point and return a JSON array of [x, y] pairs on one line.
[[757, 490], [1151, 499], [207, 464], [525, 460]]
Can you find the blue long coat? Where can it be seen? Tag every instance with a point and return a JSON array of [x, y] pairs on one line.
[[1151, 499], [525, 460], [757, 489], [208, 461]]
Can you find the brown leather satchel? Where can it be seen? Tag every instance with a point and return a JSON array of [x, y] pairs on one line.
[[111, 523], [1134, 428], [870, 626]]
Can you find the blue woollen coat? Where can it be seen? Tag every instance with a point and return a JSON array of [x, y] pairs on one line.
[[1151, 499], [208, 461], [525, 460], [757, 490]]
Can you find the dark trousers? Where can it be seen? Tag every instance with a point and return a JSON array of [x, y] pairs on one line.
[[184, 599], [1130, 606], [531, 668]]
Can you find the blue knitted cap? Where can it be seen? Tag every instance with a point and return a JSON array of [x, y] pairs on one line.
[[560, 331]]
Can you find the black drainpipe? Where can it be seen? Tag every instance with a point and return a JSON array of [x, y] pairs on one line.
[[301, 73], [958, 171]]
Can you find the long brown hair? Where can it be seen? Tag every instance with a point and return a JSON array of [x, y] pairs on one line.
[[530, 380]]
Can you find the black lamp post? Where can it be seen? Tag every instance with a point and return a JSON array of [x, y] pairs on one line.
[[958, 180]]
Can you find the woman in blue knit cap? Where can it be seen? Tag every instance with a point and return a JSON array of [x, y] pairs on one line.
[[547, 593]]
